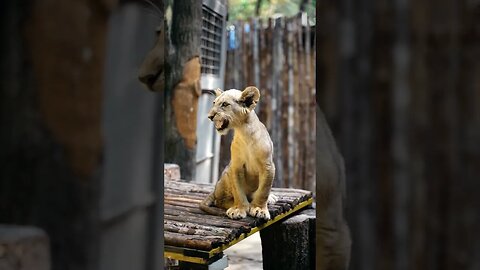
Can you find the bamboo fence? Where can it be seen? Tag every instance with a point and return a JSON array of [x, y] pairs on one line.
[[277, 56]]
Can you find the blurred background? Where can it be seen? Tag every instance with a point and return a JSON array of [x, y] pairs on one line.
[[399, 82], [78, 134], [275, 51]]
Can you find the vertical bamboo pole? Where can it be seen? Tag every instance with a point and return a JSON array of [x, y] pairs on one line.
[[310, 107], [291, 104], [277, 64], [296, 105], [256, 61], [302, 108], [268, 77]]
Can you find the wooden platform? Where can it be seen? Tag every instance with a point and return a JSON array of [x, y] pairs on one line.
[[192, 235]]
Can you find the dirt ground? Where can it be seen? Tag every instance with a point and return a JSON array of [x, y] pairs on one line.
[[247, 254]]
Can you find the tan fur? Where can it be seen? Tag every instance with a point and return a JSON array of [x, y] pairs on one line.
[[244, 187]]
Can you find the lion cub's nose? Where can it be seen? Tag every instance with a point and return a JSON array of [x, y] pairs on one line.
[[210, 116]]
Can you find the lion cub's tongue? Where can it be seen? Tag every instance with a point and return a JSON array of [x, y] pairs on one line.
[[218, 124]]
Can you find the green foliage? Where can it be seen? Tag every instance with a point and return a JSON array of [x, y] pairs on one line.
[[244, 9]]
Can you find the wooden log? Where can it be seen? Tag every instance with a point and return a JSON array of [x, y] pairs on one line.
[[208, 220], [195, 195], [182, 199], [198, 192], [285, 205], [171, 171], [193, 226], [179, 228], [184, 204], [291, 190], [190, 214], [189, 186], [290, 244], [205, 218], [191, 241], [23, 248], [195, 210]]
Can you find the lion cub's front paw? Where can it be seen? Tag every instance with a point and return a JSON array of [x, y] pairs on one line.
[[259, 212], [236, 213]]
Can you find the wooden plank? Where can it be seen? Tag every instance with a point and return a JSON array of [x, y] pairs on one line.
[[182, 228], [207, 219], [186, 226], [194, 226], [193, 241]]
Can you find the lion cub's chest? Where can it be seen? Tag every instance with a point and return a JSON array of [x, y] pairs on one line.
[[252, 164], [248, 157]]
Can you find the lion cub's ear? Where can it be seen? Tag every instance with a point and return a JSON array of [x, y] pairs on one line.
[[218, 92], [250, 97]]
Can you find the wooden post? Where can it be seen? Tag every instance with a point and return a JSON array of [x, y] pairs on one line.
[[290, 244]]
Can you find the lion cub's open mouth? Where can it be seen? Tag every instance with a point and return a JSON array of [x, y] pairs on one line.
[[221, 124]]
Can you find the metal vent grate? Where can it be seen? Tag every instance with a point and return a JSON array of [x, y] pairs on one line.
[[212, 26]]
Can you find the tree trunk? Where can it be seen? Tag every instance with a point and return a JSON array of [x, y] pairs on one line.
[[183, 85], [258, 4], [290, 244], [303, 5]]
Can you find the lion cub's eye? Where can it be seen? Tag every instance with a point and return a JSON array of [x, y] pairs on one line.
[[225, 104]]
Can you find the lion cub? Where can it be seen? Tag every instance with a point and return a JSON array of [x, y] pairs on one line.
[[245, 184]]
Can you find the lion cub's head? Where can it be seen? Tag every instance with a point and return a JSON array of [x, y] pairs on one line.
[[232, 107]]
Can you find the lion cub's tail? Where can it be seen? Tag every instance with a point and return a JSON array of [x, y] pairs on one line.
[[206, 204]]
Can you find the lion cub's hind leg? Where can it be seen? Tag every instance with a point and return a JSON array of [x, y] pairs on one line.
[[221, 197]]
